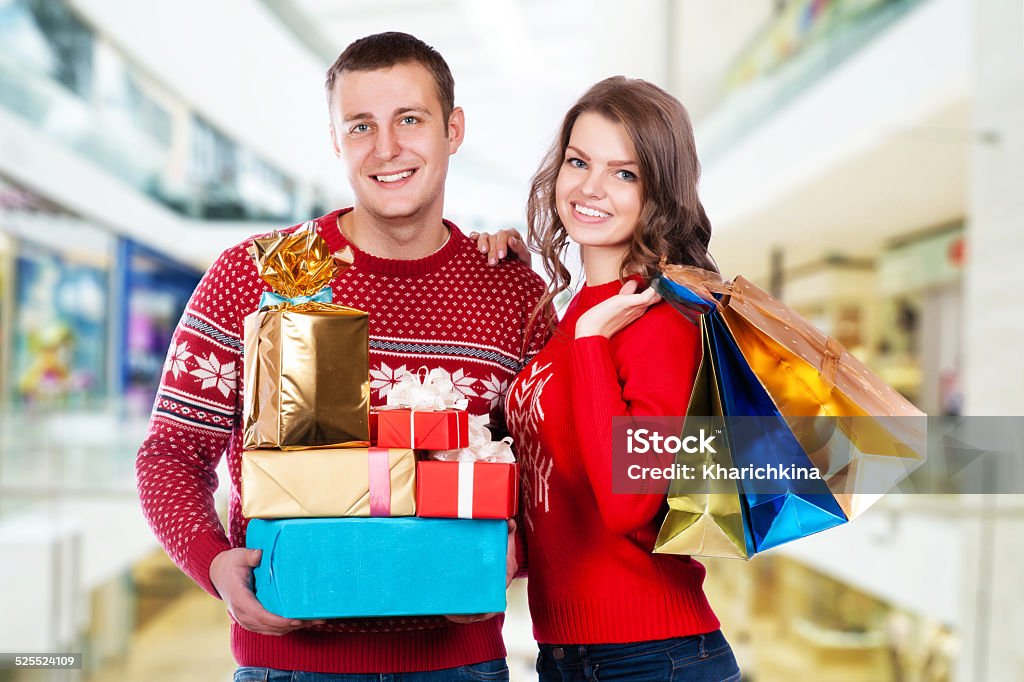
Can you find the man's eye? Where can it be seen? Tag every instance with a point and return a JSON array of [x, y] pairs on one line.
[[576, 163], [359, 128], [409, 120]]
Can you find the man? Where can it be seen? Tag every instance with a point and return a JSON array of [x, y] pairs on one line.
[[433, 302]]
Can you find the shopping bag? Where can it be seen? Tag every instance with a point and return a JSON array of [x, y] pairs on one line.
[[863, 435], [706, 517], [779, 511]]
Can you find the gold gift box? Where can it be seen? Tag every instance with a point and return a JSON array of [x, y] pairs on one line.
[[325, 483], [306, 377]]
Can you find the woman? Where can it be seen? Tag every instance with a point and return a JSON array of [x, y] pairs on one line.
[[620, 181]]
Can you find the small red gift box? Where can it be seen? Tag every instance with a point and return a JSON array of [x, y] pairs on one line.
[[467, 490], [423, 430]]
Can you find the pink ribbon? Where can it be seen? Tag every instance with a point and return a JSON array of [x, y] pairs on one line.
[[380, 482]]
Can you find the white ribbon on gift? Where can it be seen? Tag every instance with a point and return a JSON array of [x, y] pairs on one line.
[[465, 498], [481, 447], [423, 390]]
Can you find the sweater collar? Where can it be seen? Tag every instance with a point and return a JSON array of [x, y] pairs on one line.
[[329, 230], [591, 295]]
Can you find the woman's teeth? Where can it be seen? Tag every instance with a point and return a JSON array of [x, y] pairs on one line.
[[592, 212], [393, 178]]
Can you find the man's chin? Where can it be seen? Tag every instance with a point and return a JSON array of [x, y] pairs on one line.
[[394, 210]]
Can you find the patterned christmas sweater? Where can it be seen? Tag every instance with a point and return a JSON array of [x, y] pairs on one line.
[[593, 578], [449, 310]]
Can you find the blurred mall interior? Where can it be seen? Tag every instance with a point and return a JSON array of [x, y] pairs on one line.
[[862, 159]]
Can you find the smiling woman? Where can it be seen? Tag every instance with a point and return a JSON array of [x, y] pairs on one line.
[[643, 139], [598, 193], [620, 181]]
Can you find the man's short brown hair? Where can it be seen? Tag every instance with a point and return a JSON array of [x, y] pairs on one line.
[[384, 50]]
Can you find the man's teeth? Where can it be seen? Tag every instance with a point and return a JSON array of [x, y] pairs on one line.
[[592, 212], [393, 178]]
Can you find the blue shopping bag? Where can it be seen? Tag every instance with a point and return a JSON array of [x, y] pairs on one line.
[[782, 513]]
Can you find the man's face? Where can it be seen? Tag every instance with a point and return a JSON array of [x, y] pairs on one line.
[[388, 127]]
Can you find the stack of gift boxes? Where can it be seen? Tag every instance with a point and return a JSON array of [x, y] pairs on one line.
[[338, 498]]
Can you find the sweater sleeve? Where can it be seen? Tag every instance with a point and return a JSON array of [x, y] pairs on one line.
[[649, 371], [196, 408]]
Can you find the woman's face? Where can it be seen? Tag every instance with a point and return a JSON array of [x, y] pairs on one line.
[[598, 192]]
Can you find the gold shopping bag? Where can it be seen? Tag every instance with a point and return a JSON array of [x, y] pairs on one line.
[[709, 522]]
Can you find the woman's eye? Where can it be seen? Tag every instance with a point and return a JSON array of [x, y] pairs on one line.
[[627, 176], [576, 163]]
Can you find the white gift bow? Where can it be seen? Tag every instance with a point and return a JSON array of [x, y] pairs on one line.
[[481, 447], [425, 390]]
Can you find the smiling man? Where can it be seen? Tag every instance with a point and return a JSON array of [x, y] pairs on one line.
[[433, 302]]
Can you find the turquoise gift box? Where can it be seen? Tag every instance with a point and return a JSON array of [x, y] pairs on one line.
[[369, 567]]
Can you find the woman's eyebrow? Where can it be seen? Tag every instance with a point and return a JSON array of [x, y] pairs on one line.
[[579, 152]]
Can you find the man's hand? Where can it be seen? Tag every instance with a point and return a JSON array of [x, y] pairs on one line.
[[471, 618], [511, 565], [502, 243], [511, 568], [231, 574]]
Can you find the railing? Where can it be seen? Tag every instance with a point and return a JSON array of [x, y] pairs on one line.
[[47, 456], [787, 57], [80, 91]]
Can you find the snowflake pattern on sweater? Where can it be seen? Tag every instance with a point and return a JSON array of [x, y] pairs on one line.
[[525, 418]]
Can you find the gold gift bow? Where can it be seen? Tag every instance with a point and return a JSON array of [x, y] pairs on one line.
[[296, 264]]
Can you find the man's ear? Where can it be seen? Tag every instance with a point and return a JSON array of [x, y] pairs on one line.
[[456, 129], [334, 140]]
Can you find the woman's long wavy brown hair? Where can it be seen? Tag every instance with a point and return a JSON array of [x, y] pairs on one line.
[[672, 222]]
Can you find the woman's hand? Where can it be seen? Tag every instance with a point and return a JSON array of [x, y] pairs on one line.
[[609, 317], [500, 244]]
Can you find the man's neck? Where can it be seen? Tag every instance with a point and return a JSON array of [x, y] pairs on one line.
[[406, 239]]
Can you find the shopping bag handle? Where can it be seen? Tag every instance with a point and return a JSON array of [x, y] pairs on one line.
[[706, 282]]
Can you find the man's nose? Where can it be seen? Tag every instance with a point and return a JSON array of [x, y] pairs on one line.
[[387, 145]]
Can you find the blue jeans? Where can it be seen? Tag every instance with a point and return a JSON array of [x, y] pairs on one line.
[[488, 671], [701, 658]]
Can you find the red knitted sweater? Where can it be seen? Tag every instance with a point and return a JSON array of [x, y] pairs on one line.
[[448, 310], [593, 578]]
